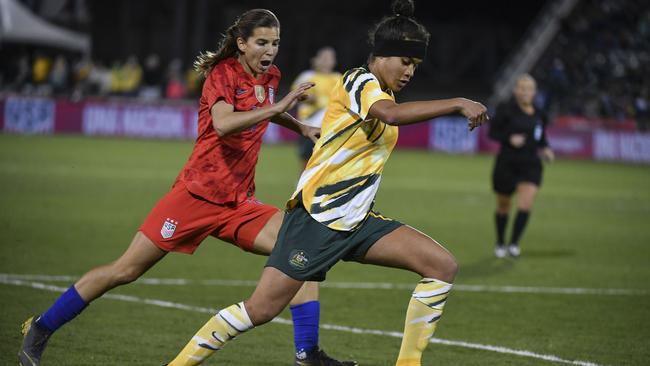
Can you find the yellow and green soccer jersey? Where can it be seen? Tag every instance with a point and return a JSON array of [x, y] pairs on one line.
[[312, 113], [340, 181]]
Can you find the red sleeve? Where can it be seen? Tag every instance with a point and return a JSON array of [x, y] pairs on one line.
[[219, 85], [275, 72]]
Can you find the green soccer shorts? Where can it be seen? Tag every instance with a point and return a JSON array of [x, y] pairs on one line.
[[306, 249]]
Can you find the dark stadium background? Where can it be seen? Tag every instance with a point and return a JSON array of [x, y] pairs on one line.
[[470, 39]]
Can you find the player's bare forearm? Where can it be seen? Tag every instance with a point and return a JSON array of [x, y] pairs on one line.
[[226, 121], [412, 112], [288, 121]]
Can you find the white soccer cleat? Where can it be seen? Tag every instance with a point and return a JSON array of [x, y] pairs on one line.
[[513, 250], [500, 251]]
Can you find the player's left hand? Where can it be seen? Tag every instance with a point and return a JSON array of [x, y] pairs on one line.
[[312, 133], [548, 155]]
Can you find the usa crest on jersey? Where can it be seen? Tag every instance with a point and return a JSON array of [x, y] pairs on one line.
[[168, 228], [259, 93]]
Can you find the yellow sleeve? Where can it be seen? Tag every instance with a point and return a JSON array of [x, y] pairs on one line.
[[363, 91]]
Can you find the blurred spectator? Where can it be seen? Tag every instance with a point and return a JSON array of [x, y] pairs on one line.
[[126, 78], [59, 75], [131, 77], [599, 64], [81, 72], [100, 79], [643, 113], [17, 73], [152, 78], [40, 72], [116, 78], [193, 83], [41, 69], [175, 88]]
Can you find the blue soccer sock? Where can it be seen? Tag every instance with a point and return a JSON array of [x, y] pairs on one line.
[[305, 325], [64, 309]]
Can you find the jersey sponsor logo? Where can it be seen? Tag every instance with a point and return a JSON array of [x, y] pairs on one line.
[[259, 93], [271, 95], [168, 228], [298, 259]]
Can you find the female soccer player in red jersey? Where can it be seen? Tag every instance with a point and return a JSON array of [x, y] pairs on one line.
[[214, 193], [330, 217]]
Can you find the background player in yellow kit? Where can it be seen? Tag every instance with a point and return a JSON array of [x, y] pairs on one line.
[[312, 110]]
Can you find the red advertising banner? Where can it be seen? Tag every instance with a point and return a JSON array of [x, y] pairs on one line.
[[68, 117], [569, 136], [414, 136], [2, 115], [580, 123], [569, 143]]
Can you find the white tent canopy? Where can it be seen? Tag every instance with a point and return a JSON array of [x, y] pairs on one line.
[[19, 25]]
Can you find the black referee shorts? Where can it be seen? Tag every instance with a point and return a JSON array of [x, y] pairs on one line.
[[510, 170]]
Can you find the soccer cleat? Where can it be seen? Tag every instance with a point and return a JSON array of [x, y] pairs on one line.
[[513, 250], [34, 341], [500, 251], [318, 357]]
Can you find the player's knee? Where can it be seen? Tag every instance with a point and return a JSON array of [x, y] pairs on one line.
[[442, 268], [525, 205], [262, 314], [503, 206], [449, 268]]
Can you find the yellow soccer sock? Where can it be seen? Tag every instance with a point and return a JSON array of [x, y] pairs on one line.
[[424, 311], [226, 325]]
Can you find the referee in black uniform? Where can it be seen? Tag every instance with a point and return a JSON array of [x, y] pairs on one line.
[[520, 128]]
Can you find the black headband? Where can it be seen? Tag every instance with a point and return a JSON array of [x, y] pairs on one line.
[[400, 48]]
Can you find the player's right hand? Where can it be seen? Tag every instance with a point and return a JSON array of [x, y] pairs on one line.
[[475, 112], [290, 100]]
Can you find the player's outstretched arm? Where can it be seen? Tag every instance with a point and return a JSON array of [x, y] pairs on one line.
[[226, 121], [412, 112], [288, 121]]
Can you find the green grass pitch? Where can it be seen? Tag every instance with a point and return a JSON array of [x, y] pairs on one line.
[[70, 203]]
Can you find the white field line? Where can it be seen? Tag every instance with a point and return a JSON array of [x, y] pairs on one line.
[[340, 328], [356, 285]]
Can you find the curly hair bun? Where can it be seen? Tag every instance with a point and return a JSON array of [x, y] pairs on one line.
[[403, 8]]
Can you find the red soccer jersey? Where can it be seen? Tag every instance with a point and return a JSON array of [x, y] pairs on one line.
[[222, 169]]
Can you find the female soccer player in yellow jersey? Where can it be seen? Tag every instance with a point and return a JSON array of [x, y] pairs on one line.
[[312, 109], [330, 217]]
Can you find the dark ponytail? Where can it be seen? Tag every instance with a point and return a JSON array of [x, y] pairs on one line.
[[399, 26], [242, 28]]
